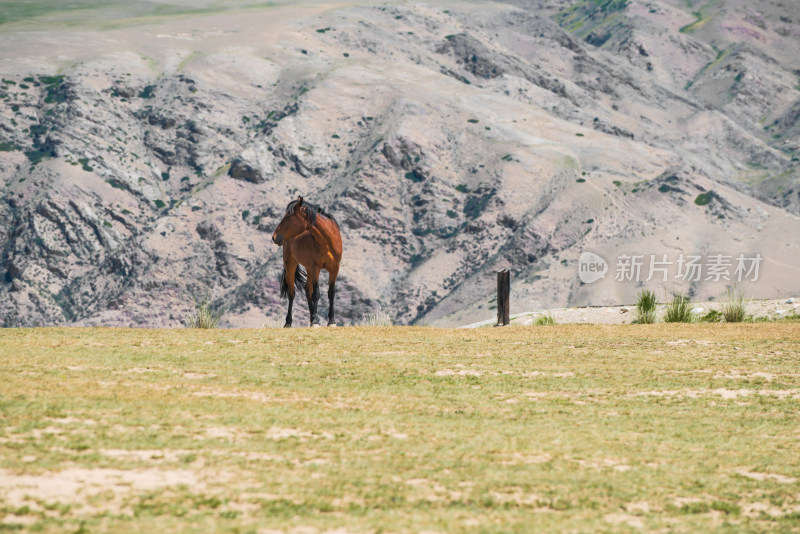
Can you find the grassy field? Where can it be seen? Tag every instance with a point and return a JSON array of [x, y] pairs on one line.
[[683, 428]]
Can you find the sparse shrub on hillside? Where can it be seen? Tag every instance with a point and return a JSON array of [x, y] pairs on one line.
[[204, 316], [703, 199], [147, 92], [735, 306], [376, 318], [545, 320], [645, 308], [678, 309]]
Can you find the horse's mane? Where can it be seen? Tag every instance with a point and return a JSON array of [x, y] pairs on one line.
[[312, 210]]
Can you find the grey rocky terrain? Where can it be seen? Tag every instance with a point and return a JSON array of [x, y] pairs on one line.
[[147, 153]]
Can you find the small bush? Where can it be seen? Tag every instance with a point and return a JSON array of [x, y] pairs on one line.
[[148, 92], [713, 316], [703, 199], [734, 307], [377, 318], [645, 308], [545, 320], [204, 316], [678, 309]]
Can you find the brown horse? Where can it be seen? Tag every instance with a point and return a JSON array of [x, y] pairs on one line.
[[310, 239]]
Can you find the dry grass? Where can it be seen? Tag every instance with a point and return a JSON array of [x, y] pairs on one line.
[[675, 427], [204, 315], [734, 307], [377, 318]]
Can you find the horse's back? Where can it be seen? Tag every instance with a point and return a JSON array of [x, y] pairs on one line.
[[320, 246]]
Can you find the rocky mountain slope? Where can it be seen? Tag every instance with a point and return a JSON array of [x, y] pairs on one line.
[[147, 151]]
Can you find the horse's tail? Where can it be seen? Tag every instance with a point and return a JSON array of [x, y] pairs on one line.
[[299, 281]]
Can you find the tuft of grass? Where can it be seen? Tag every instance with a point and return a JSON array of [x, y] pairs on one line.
[[734, 307], [377, 318], [205, 316], [645, 308], [679, 309], [545, 320]]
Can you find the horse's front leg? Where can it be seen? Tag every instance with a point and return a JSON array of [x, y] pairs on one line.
[[288, 281], [288, 323], [312, 293]]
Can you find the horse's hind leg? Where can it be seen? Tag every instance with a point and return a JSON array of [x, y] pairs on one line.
[[331, 295], [312, 293]]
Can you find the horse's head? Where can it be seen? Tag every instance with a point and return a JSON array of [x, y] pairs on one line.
[[293, 223]]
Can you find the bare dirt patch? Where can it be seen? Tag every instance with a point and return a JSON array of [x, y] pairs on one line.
[[75, 485], [783, 479]]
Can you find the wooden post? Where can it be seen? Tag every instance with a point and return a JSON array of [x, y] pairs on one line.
[[503, 290]]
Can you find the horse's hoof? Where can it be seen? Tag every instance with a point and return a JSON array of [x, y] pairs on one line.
[[332, 325], [315, 325], [287, 325]]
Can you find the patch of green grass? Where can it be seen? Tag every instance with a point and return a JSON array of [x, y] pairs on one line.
[[645, 308], [473, 121], [8, 146], [545, 320], [584, 16], [698, 22]]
